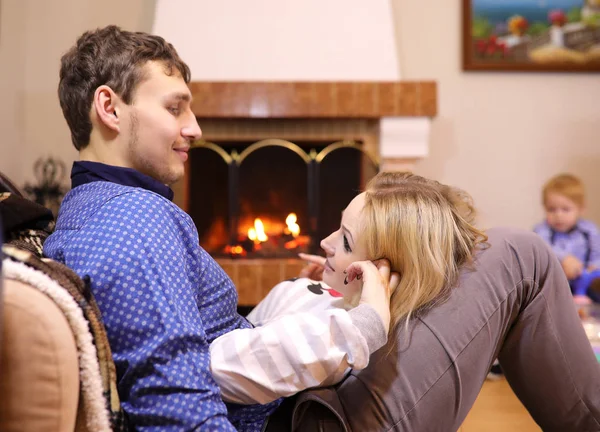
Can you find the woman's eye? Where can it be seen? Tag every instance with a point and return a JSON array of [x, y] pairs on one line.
[[174, 110], [346, 244]]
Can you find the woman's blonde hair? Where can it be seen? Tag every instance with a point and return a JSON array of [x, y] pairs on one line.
[[425, 229]]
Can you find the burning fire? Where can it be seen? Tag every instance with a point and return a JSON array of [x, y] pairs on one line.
[[236, 250], [292, 226], [264, 234], [257, 233]]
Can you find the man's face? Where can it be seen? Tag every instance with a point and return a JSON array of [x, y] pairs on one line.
[[159, 125]]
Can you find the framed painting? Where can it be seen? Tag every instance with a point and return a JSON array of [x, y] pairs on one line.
[[531, 35]]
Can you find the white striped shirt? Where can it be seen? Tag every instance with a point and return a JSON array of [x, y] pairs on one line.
[[304, 337]]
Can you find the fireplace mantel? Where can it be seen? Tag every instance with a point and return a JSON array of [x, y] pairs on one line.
[[314, 99]]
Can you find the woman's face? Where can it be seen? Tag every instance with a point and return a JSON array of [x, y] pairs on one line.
[[343, 247]]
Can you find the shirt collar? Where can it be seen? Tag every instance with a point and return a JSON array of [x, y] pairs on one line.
[[84, 172], [571, 231]]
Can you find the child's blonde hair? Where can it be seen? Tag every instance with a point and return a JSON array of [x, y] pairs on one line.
[[425, 229], [566, 185]]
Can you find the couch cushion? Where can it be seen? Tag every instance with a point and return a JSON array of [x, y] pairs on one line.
[[39, 373]]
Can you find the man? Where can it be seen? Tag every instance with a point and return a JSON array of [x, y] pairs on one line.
[[163, 299]]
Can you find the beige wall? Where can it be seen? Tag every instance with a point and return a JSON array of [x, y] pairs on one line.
[[281, 40], [499, 135], [33, 36]]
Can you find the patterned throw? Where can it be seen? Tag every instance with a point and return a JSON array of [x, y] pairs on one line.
[[26, 226]]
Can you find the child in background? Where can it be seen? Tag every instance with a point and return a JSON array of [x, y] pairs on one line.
[[574, 240]]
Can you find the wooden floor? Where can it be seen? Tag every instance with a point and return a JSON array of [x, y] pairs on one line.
[[498, 409]]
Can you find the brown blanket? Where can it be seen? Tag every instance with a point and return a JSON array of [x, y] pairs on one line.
[[26, 226]]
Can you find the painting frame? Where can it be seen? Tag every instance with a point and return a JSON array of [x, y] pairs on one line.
[[471, 61]]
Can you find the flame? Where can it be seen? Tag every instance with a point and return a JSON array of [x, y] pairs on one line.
[[292, 225], [235, 250], [257, 233], [297, 242]]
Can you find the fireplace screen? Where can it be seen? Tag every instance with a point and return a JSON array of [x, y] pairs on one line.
[[272, 198]]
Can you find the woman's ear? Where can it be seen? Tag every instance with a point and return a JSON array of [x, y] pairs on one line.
[[106, 104]]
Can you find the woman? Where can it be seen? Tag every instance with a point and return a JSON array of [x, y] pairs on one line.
[[305, 339], [462, 301], [508, 299]]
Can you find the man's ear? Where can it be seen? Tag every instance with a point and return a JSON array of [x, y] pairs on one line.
[[106, 104]]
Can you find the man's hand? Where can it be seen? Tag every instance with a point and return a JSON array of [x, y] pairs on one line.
[[379, 282], [315, 267], [572, 267]]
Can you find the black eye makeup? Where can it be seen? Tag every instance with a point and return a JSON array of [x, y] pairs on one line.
[[346, 244]]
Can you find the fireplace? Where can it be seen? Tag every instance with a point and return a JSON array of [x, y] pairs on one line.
[[273, 198], [280, 161]]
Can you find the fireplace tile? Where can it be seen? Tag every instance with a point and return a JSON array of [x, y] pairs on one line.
[[254, 278], [387, 105], [206, 96], [248, 286], [407, 98], [428, 91], [325, 100], [238, 97], [271, 275], [231, 270], [292, 268], [346, 101], [304, 99], [313, 99], [280, 99], [366, 96], [259, 100]]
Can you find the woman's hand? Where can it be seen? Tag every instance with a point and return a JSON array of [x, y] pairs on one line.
[[379, 282], [315, 267]]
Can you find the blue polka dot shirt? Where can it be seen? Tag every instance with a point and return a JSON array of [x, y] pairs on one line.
[[163, 300]]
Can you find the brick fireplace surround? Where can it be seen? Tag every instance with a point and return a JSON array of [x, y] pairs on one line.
[[379, 114]]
